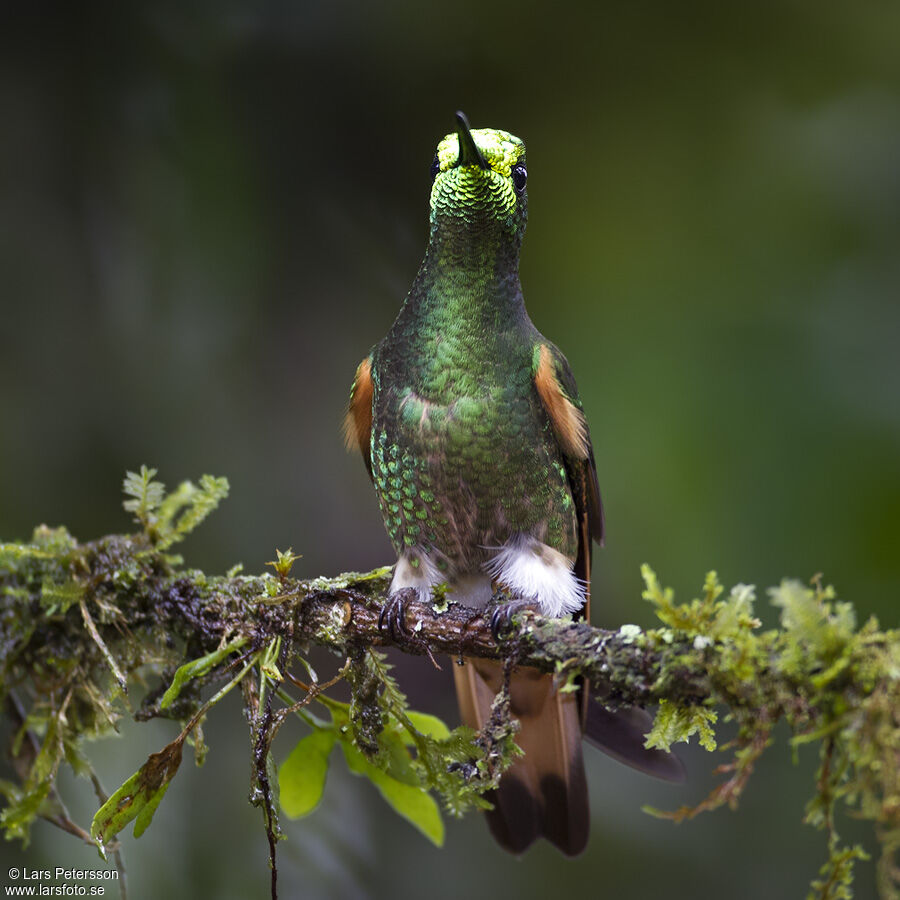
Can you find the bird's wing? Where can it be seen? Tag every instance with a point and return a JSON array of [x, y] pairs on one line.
[[619, 733], [559, 395], [358, 420]]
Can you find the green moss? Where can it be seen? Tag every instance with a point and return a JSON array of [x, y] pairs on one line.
[[674, 723], [833, 683], [440, 602], [74, 617]]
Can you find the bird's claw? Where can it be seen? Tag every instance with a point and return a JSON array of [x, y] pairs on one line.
[[501, 617], [393, 617]]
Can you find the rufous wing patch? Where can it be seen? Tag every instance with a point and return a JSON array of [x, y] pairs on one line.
[[567, 419], [358, 421]]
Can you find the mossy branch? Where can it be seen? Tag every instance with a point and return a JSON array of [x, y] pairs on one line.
[[78, 620]]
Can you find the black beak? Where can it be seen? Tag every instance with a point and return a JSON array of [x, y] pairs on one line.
[[469, 154]]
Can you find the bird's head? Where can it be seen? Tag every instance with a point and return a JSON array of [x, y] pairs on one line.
[[479, 184]]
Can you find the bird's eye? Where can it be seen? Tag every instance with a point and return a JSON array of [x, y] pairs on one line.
[[519, 177], [435, 168]]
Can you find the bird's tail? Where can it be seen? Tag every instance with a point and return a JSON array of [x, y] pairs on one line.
[[544, 792]]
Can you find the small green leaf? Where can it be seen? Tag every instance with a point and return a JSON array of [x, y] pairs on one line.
[[395, 758], [145, 814], [195, 669], [187, 506], [60, 596], [268, 663], [429, 725], [29, 801], [302, 774], [414, 803], [283, 562], [139, 796], [145, 493], [17, 817]]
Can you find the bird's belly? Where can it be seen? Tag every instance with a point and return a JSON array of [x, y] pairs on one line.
[[459, 478]]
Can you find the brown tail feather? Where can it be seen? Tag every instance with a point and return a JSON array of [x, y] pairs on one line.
[[544, 793]]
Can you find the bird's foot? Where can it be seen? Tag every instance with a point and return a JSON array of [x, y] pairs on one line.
[[393, 620], [393, 615], [501, 617]]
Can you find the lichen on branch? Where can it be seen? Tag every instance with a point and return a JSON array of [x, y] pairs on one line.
[[78, 620]]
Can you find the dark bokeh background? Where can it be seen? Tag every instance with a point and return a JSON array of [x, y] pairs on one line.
[[210, 211]]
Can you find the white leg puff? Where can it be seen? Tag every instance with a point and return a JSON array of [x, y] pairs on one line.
[[535, 571], [416, 570]]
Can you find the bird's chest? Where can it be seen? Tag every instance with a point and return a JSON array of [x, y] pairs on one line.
[[462, 457], [457, 417]]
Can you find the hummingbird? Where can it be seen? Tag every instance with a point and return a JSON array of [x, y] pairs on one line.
[[471, 428]]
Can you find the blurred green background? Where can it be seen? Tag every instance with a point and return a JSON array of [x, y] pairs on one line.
[[210, 212]]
